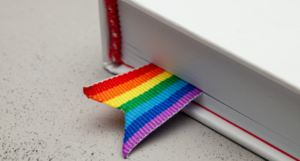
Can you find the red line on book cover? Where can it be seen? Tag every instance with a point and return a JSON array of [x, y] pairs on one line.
[[269, 144]]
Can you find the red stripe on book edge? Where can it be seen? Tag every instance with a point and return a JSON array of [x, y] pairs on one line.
[[115, 32], [116, 44], [283, 152]]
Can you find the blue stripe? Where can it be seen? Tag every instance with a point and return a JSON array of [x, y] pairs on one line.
[[151, 114], [143, 108]]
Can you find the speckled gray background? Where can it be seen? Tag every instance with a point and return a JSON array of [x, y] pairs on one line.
[[49, 50]]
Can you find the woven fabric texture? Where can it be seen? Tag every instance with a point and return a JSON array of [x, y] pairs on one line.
[[148, 96], [115, 33]]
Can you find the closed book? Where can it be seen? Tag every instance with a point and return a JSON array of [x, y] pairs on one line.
[[244, 55]]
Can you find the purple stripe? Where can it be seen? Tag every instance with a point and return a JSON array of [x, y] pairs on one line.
[[158, 120]]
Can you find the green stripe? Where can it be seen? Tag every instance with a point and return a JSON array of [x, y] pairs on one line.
[[128, 106]]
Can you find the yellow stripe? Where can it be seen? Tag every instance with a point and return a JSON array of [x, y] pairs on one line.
[[129, 95]]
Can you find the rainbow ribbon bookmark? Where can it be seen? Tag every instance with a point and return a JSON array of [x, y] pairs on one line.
[[148, 96]]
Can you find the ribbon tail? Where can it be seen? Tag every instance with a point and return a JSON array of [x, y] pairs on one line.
[[148, 96]]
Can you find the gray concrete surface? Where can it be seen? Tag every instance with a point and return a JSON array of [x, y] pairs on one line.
[[49, 50]]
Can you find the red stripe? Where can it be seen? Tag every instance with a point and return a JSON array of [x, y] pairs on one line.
[[127, 86], [107, 84], [283, 152]]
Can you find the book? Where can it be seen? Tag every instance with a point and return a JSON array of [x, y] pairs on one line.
[[242, 54]]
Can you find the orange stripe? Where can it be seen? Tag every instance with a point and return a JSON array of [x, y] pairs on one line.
[[107, 84], [122, 88]]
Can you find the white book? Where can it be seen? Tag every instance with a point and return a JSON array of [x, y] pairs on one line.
[[243, 54]]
